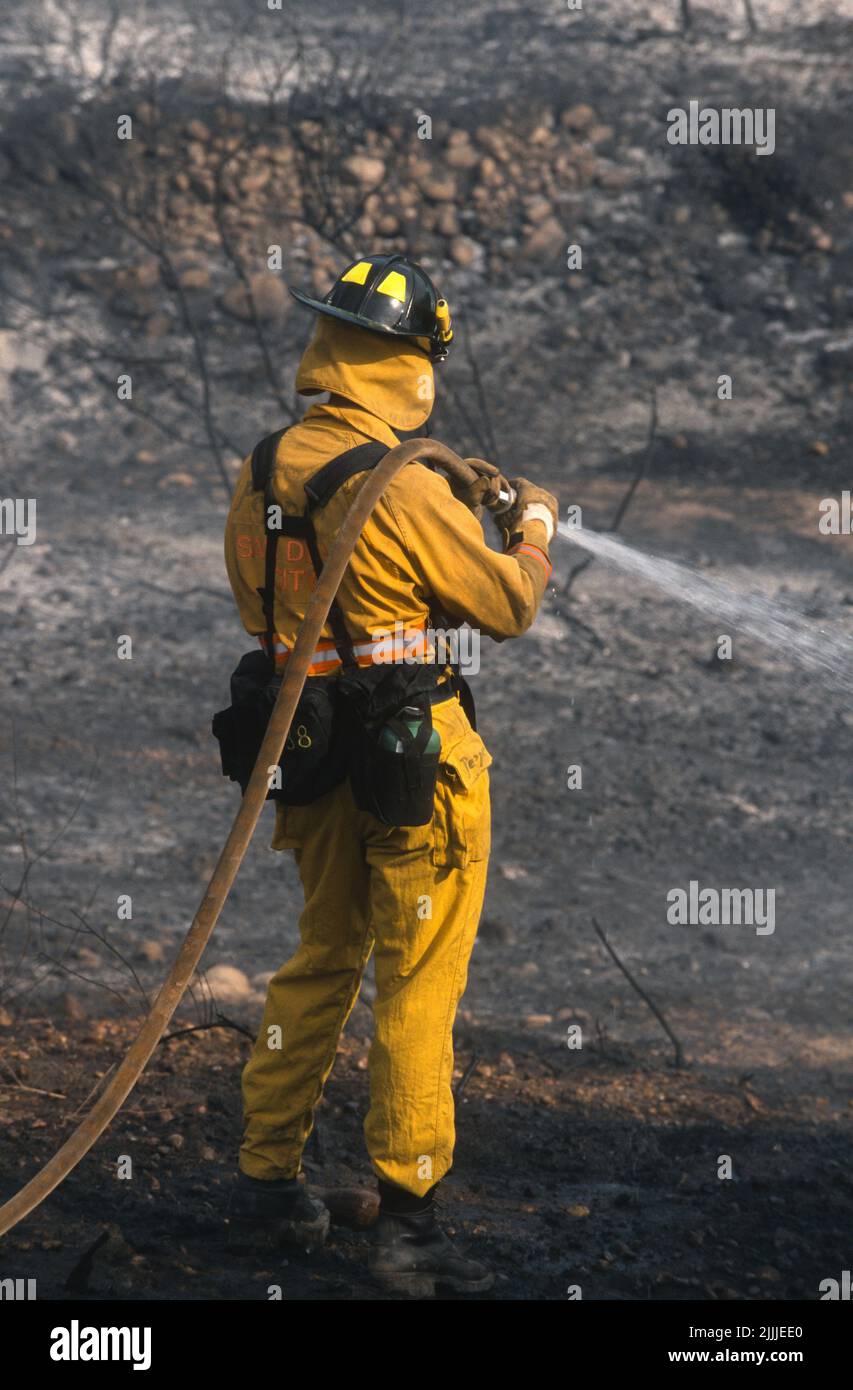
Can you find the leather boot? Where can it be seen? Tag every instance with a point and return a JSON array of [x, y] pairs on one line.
[[275, 1213], [410, 1254]]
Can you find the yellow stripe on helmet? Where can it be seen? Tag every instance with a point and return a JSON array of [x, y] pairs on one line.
[[394, 285], [358, 273]]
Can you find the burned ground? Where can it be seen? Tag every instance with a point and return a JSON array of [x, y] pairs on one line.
[[595, 1167]]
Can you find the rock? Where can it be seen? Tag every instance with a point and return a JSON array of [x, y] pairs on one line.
[[821, 239], [538, 1020], [548, 239], [599, 134], [268, 294], [143, 276], [613, 178], [355, 1207], [256, 179], [6, 1019], [228, 984], [151, 950], [464, 251], [540, 136], [388, 225], [462, 155], [495, 141], [195, 277], [177, 479], [365, 169], [490, 173], [537, 209], [72, 1008], [197, 130], [439, 189], [578, 117], [577, 1210], [513, 871], [447, 220]]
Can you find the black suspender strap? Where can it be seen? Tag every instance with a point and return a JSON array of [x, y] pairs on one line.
[[334, 474], [319, 489]]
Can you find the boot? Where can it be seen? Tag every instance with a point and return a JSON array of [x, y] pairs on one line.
[[410, 1253], [275, 1213]]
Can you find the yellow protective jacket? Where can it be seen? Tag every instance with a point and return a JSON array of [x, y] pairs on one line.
[[420, 551]]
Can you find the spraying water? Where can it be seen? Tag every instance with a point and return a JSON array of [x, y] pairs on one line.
[[829, 654]]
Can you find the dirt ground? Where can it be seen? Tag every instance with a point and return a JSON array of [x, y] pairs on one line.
[[595, 1167]]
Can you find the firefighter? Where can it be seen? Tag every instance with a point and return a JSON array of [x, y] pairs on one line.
[[411, 894]]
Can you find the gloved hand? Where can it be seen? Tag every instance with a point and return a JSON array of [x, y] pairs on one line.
[[531, 503], [485, 485]]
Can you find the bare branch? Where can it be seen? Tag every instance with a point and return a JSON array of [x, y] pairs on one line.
[[679, 1054]]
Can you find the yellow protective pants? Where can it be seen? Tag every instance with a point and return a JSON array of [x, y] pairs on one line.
[[414, 894]]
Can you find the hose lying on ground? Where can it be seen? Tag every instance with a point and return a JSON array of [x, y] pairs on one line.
[[172, 991]]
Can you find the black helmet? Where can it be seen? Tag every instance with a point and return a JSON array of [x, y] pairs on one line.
[[388, 294]]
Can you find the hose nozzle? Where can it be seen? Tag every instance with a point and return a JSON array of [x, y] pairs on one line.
[[503, 499]]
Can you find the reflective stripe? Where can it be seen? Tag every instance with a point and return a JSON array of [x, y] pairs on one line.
[[394, 285], [524, 548], [357, 273], [397, 646]]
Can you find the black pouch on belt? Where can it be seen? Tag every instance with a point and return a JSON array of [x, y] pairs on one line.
[[314, 756], [394, 750]]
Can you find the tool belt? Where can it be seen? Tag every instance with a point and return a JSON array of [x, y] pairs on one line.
[[372, 723]]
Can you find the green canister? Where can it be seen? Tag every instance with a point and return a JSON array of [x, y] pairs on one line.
[[413, 718]]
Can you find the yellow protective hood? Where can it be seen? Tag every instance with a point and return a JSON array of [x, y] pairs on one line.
[[389, 376]]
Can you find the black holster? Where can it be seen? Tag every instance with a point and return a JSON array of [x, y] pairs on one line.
[[398, 787]]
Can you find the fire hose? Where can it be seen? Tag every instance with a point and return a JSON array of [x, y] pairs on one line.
[[115, 1093]]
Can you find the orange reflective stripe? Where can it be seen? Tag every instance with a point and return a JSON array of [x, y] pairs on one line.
[[394, 646], [524, 548]]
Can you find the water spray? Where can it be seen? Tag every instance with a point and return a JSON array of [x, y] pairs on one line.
[[787, 632]]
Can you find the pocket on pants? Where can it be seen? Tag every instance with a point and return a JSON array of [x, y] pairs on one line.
[[462, 819]]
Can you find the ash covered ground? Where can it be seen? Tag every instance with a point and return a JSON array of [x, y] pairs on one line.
[[595, 1167]]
